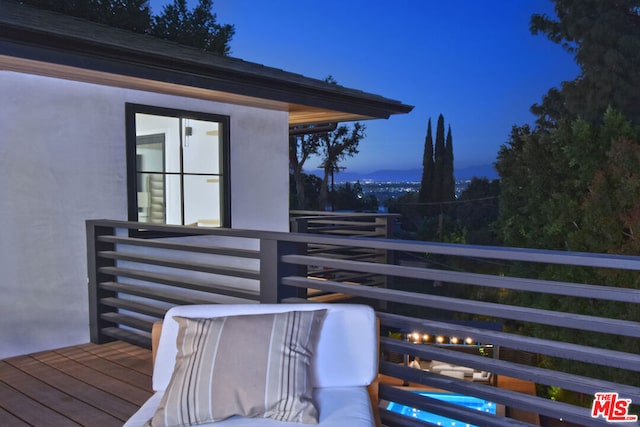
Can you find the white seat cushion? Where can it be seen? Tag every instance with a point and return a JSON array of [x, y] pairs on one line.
[[338, 407], [453, 374], [441, 367]]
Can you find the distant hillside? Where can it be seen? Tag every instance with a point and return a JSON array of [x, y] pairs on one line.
[[414, 175]]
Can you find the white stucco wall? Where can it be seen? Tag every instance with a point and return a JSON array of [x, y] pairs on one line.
[[62, 161]]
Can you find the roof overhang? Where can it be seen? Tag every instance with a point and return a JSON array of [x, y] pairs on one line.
[[43, 43]]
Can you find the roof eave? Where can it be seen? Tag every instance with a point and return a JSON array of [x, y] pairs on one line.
[[152, 59]]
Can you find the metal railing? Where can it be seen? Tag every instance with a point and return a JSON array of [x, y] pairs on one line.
[[375, 225], [576, 345], [343, 224]]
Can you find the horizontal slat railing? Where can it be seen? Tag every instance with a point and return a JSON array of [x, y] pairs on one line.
[[136, 280], [437, 291], [543, 286], [362, 225], [345, 224], [620, 327], [546, 317], [525, 343]]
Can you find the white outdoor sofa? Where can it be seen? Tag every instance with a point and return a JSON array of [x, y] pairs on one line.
[[344, 366]]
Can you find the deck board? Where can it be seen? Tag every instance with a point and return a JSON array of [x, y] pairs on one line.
[[86, 385], [31, 411], [105, 367], [90, 375], [114, 405], [8, 420]]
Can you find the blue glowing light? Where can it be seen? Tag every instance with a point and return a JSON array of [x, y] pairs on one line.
[[458, 399]]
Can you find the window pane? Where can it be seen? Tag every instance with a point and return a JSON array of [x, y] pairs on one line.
[[157, 143], [202, 200], [159, 199], [201, 147], [174, 200], [151, 198]]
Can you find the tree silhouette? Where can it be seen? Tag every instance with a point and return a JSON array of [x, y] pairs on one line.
[[197, 27], [438, 182], [335, 146], [604, 36], [301, 147], [426, 183], [133, 15], [334, 143], [439, 157], [570, 182], [448, 179]]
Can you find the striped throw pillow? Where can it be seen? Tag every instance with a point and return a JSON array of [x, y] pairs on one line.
[[247, 365]]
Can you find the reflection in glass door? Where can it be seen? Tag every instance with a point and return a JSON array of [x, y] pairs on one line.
[[150, 160]]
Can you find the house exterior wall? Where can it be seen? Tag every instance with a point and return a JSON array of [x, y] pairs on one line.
[[63, 161]]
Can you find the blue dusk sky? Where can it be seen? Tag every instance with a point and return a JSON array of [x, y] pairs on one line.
[[475, 62]]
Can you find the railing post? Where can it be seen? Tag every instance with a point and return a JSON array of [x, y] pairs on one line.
[[272, 270], [387, 222], [299, 225], [94, 263]]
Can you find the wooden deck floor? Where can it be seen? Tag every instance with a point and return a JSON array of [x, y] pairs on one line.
[[96, 385], [86, 385]]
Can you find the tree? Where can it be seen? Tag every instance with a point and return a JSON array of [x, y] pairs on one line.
[[439, 158], [198, 28], [604, 36], [301, 147], [568, 183], [333, 143], [411, 213], [437, 189], [330, 141], [610, 214], [351, 197], [448, 179], [572, 188], [528, 180], [546, 171], [426, 183], [335, 146], [133, 15], [438, 183], [546, 175], [311, 189], [477, 211]]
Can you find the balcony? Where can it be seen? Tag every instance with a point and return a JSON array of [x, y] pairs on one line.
[[462, 310]]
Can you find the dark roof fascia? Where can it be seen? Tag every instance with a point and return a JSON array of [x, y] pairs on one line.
[[40, 35]]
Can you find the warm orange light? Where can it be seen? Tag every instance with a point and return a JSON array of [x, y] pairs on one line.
[[469, 340], [425, 337], [440, 339], [415, 336], [454, 340]]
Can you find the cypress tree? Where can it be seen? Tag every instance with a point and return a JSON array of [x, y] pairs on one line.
[[426, 184], [448, 178], [439, 159]]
